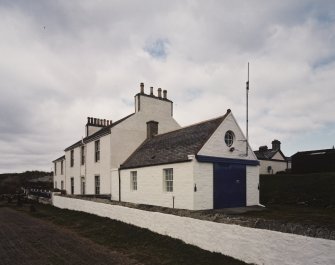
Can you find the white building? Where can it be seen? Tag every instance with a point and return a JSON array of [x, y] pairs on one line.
[[272, 160], [147, 158]]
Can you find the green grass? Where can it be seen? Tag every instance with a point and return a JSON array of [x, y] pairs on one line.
[[140, 244], [315, 189]]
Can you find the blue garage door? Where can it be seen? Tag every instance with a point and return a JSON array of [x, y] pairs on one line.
[[229, 185]]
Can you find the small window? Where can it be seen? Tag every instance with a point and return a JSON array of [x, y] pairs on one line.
[[97, 184], [72, 185], [168, 179], [72, 158], [62, 185], [133, 180], [82, 155], [229, 138], [61, 167], [97, 150]]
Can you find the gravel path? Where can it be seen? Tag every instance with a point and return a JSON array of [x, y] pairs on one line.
[[27, 240]]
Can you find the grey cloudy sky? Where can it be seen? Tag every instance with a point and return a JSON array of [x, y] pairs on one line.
[[62, 61]]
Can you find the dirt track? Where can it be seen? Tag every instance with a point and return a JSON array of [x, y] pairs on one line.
[[26, 240]]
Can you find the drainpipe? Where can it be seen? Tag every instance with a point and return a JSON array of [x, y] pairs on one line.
[[119, 171]]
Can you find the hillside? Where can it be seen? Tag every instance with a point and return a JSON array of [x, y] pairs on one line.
[[11, 182]]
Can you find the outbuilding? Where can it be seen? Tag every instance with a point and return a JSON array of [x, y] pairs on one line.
[[203, 166]]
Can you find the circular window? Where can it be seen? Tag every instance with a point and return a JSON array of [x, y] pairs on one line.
[[229, 138]]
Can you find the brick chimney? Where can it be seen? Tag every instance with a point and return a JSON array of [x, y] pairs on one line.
[[164, 94], [263, 148], [276, 145], [152, 129], [159, 92]]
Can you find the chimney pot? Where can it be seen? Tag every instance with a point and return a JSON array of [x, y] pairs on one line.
[[142, 88], [105, 122], [151, 91], [164, 94], [88, 120], [159, 92], [152, 129], [95, 121]]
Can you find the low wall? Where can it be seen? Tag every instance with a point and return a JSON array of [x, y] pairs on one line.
[[248, 244]]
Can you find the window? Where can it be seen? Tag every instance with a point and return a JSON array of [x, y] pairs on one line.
[[133, 180], [82, 155], [97, 184], [61, 167], [62, 185], [168, 179], [55, 184], [229, 138], [72, 158], [82, 185], [72, 185], [97, 150], [55, 169]]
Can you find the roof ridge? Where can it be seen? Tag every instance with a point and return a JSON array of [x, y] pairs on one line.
[[191, 125]]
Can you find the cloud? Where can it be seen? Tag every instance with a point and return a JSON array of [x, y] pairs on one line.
[[63, 61]]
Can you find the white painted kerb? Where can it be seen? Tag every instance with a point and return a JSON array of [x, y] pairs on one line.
[[248, 244]]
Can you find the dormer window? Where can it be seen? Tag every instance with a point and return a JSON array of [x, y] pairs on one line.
[[229, 138]]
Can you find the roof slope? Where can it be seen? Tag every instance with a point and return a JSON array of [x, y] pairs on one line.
[[174, 146], [268, 154], [103, 131]]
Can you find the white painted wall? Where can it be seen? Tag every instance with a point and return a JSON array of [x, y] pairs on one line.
[[252, 185], [217, 147], [247, 244], [100, 168], [58, 177], [116, 147], [203, 178], [150, 186], [275, 165], [128, 135]]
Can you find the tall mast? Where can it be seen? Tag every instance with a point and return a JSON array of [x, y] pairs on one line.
[[247, 117]]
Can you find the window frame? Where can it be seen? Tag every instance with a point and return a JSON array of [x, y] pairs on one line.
[[62, 185], [97, 187], [72, 185], [62, 167], [72, 158], [133, 180], [229, 138], [168, 179], [97, 150], [55, 169], [82, 155]]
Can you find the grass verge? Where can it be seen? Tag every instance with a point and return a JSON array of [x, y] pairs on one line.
[[137, 243]]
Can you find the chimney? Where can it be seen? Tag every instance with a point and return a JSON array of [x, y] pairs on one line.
[[88, 120], [151, 91], [95, 121], [164, 94], [275, 145], [263, 148], [159, 92], [152, 129], [105, 124], [142, 88]]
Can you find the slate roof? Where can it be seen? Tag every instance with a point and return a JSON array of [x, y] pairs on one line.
[[59, 159], [174, 146], [267, 154], [102, 132]]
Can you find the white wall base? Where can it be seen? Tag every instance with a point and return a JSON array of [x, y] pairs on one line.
[[247, 244]]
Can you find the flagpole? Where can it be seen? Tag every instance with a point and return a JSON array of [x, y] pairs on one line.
[[247, 96]]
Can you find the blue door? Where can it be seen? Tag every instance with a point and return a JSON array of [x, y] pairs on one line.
[[229, 185]]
